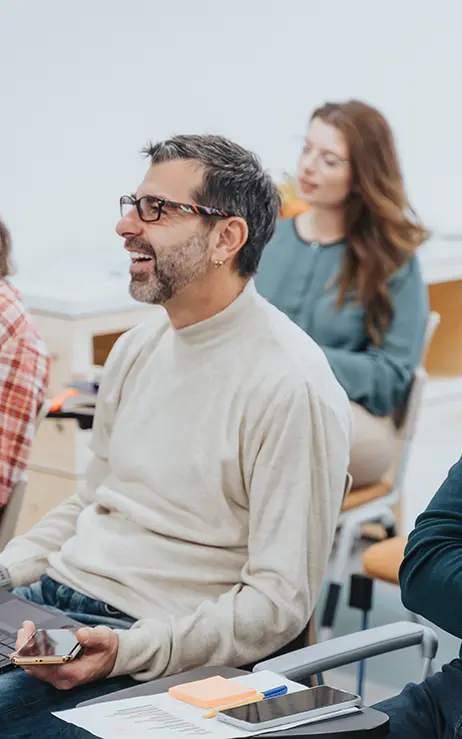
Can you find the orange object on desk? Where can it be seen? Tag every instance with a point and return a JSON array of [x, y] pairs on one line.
[[211, 692], [56, 403]]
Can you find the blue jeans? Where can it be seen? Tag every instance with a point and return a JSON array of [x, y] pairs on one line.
[[431, 710], [25, 702], [61, 599]]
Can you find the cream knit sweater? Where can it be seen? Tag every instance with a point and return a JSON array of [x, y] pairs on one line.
[[210, 505]]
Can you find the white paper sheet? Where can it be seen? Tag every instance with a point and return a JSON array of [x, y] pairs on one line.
[[163, 716]]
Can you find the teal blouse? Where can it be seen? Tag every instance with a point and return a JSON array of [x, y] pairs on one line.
[[301, 279]]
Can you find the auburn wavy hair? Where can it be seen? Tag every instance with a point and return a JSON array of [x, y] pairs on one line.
[[382, 229]]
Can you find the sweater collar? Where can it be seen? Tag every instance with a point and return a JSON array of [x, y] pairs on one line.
[[222, 323]]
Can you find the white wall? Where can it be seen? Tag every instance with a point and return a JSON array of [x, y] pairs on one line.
[[84, 84]]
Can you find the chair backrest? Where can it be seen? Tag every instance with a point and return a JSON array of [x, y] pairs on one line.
[[413, 403], [9, 516], [348, 486], [432, 324], [406, 415], [408, 425], [42, 413], [401, 413]]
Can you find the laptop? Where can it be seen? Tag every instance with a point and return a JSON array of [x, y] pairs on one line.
[[13, 611]]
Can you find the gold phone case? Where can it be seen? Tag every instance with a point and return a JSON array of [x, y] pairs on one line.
[[46, 660]]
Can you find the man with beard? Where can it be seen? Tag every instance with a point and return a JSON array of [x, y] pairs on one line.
[[221, 444]]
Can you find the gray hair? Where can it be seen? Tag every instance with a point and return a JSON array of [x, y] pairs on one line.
[[234, 181]]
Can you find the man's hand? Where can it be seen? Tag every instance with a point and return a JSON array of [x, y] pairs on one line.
[[95, 661]]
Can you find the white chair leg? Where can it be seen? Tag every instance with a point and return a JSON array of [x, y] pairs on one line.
[[345, 542], [389, 523]]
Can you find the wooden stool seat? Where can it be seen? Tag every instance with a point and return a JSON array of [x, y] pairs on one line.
[[383, 560], [361, 496]]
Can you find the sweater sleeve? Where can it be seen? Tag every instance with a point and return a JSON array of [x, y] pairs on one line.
[[378, 377], [26, 557], [295, 481], [431, 572]]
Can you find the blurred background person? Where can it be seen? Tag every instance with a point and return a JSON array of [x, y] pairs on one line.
[[345, 271], [24, 370]]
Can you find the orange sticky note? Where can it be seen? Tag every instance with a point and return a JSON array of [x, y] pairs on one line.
[[211, 692]]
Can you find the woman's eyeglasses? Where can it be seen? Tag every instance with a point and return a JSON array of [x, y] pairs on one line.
[[326, 158], [150, 208]]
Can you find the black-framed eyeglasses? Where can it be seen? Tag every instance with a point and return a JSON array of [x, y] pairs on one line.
[[150, 208]]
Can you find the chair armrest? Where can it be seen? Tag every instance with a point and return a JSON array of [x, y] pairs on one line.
[[344, 650]]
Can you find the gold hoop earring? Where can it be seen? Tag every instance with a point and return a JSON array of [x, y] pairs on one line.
[[218, 263]]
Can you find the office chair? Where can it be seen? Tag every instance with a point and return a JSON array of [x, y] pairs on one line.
[[303, 664], [376, 503]]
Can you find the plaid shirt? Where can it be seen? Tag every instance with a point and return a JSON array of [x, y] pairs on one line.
[[24, 368]]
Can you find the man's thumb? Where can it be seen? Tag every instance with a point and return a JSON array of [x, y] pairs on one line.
[[94, 638]]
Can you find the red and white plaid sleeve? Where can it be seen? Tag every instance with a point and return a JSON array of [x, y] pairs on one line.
[[24, 369]]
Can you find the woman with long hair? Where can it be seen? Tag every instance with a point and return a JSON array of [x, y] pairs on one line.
[[345, 271]]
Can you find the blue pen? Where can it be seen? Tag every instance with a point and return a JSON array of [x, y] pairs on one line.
[[262, 695], [275, 692]]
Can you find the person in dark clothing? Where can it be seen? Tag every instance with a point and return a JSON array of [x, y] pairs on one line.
[[431, 585]]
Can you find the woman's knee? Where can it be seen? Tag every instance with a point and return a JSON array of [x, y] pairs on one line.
[[373, 449]]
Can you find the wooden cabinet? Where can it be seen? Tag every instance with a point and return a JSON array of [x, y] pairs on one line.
[[445, 355], [44, 492], [60, 452]]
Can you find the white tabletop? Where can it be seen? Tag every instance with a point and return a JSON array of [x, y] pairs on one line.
[[441, 260], [77, 289]]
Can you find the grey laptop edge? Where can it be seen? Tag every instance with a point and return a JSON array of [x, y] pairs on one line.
[[13, 611]]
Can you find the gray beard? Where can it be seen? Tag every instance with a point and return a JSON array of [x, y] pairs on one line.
[[180, 266]]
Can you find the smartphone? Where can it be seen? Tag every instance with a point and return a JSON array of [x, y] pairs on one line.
[[321, 701], [48, 647]]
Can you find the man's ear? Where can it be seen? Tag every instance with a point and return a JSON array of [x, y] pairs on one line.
[[232, 235]]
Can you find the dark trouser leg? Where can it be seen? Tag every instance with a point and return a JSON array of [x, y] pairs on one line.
[[431, 710], [26, 705]]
